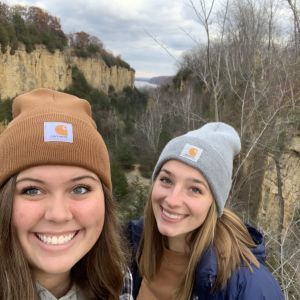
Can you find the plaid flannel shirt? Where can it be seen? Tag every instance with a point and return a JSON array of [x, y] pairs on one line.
[[126, 293], [75, 294]]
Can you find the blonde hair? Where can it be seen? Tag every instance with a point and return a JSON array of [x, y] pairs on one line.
[[227, 234], [99, 273]]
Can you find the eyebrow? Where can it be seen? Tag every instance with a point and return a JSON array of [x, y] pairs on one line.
[[72, 180], [85, 177], [190, 179], [30, 179]]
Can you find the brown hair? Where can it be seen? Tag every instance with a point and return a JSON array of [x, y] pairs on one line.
[[99, 273], [227, 234]]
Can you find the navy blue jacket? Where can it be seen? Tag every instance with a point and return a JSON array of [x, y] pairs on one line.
[[243, 284]]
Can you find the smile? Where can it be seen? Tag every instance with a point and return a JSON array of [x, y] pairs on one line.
[[172, 215], [56, 239]]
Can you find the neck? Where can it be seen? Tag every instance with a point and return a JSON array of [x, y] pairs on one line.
[[56, 284], [177, 244]]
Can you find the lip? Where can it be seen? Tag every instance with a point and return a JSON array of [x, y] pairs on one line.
[[57, 247], [165, 214]]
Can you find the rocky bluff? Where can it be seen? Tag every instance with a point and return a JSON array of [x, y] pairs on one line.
[[24, 71], [280, 193]]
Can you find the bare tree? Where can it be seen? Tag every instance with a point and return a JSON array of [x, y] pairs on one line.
[[210, 74], [293, 7], [152, 120]]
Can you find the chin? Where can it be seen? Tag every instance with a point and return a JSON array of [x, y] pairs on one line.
[[166, 232], [55, 268]]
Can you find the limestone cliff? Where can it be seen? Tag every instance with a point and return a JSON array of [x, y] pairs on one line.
[[24, 71], [280, 195], [101, 77]]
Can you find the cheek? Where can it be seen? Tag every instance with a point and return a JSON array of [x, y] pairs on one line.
[[155, 201], [90, 214], [203, 210], [158, 194], [24, 214]]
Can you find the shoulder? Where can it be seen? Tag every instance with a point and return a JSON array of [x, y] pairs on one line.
[[243, 283], [133, 232], [256, 284], [135, 225]]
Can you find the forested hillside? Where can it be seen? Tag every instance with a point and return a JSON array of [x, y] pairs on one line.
[[31, 26]]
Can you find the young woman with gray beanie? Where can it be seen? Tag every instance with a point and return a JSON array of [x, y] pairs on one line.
[[188, 246], [59, 235]]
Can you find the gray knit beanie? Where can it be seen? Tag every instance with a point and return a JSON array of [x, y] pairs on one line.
[[209, 149]]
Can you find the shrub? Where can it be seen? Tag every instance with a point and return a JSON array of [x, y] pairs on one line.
[[4, 39], [132, 206], [119, 181], [125, 155]]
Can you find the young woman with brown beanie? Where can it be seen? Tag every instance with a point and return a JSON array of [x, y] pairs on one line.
[[188, 246], [59, 236]]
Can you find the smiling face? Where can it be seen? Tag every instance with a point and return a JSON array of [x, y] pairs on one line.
[[181, 199], [58, 215]]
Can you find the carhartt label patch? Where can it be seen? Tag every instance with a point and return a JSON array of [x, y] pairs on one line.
[[58, 132], [191, 152]]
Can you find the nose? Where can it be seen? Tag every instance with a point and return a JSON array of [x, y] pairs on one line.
[[175, 197], [58, 209]]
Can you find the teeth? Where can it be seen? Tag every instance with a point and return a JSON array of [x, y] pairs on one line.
[[55, 240], [172, 216]]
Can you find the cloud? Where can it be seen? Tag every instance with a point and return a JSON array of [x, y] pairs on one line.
[[149, 34]]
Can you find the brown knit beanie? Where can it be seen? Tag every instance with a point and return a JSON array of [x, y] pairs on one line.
[[54, 128]]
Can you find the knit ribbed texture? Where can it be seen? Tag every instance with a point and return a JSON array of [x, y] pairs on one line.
[[23, 145], [213, 148]]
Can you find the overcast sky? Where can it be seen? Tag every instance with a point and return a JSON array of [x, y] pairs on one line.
[[141, 31]]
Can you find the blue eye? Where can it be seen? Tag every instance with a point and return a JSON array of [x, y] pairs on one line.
[[81, 190], [31, 191], [165, 180], [196, 190]]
